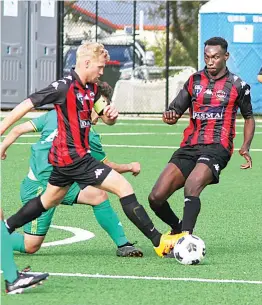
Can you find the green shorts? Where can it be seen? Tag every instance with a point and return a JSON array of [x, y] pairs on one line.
[[30, 189]]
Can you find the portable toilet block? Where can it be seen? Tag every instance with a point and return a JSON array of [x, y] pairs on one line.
[[240, 23]]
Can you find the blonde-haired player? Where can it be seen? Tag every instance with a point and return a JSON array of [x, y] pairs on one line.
[[74, 97]]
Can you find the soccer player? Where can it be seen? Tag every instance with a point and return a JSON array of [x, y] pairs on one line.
[[213, 97], [15, 282], [37, 179], [74, 97], [259, 76]]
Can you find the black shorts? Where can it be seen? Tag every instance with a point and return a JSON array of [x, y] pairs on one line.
[[215, 156], [87, 171]]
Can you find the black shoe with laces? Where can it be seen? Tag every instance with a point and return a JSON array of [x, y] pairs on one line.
[[24, 281], [128, 250]]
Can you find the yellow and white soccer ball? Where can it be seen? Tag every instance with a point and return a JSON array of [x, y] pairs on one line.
[[189, 250]]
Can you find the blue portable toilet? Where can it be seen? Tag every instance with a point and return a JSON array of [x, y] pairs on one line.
[[240, 23]]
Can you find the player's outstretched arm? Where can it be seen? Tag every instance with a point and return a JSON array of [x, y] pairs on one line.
[[17, 113], [133, 167], [178, 106], [15, 133], [249, 130], [245, 106]]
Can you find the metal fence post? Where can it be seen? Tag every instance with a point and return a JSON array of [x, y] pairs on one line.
[[60, 39], [134, 35], [167, 54], [96, 19]]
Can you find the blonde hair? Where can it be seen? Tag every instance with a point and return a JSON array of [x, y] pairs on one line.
[[92, 50]]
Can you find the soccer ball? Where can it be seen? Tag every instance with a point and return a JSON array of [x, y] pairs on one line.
[[189, 250]]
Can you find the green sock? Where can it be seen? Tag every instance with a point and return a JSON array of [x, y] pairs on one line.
[[109, 221], [18, 242], [7, 258]]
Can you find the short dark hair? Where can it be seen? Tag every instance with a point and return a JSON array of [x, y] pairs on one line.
[[217, 41], [105, 89]]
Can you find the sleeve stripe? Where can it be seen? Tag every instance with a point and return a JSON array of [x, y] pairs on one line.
[[35, 129], [104, 159]]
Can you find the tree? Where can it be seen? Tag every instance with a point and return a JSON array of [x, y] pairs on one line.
[[184, 30], [185, 26], [69, 10]]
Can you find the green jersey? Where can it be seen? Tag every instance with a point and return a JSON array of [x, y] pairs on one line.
[[47, 125]]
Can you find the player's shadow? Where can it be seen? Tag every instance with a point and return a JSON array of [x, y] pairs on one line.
[[97, 252], [62, 251]]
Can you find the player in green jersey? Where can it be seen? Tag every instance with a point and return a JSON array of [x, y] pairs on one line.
[[15, 282], [35, 184]]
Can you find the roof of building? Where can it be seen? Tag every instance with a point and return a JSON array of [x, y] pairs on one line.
[[232, 6], [116, 15]]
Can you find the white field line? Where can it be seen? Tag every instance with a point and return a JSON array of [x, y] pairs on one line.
[[158, 147], [130, 134], [141, 146], [164, 125], [78, 235], [141, 117], [183, 121], [154, 278]]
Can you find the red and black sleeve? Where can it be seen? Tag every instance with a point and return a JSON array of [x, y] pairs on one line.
[[244, 102], [55, 93], [183, 100]]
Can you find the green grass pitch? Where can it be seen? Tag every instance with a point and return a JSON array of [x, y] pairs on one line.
[[229, 223]]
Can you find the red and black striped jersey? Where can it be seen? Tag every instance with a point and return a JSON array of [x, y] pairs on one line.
[[213, 106], [73, 102]]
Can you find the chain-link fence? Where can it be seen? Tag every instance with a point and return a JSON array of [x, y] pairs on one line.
[[128, 29], [136, 34]]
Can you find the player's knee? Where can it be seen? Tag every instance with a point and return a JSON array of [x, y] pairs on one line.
[[155, 200], [125, 189], [117, 184], [33, 243], [100, 197], [32, 248], [1, 215], [49, 203], [92, 196], [193, 186]]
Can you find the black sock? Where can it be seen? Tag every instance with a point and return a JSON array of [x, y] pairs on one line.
[[191, 211], [177, 229], [137, 214], [30, 211], [165, 213]]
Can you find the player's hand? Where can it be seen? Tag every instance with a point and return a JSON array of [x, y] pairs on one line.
[[170, 117], [3, 152], [135, 168], [245, 153], [111, 112]]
